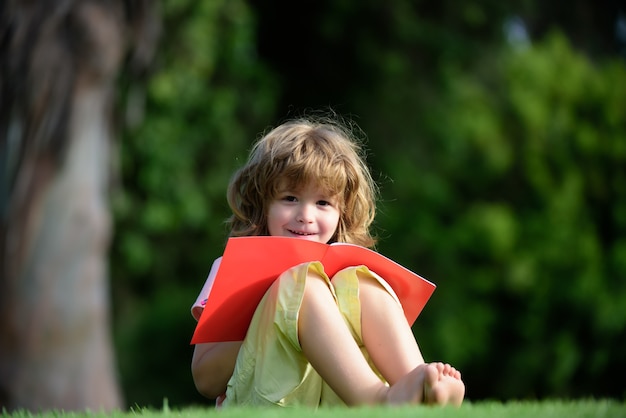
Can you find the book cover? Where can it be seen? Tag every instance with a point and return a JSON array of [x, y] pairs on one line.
[[251, 264]]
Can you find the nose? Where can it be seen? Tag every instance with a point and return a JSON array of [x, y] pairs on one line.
[[305, 214]]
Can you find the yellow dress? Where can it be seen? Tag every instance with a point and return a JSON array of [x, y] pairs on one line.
[[271, 368]]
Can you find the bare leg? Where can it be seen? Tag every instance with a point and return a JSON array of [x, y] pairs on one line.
[[328, 345], [330, 348], [386, 333], [391, 344]]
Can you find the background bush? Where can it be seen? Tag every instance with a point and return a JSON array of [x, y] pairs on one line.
[[501, 163]]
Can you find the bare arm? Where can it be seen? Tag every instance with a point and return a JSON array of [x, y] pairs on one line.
[[212, 366]]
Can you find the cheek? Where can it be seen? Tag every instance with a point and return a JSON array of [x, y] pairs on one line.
[[334, 231], [270, 218], [335, 221], [275, 217]]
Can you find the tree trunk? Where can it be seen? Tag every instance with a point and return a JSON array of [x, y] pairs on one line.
[[60, 61], [60, 354]]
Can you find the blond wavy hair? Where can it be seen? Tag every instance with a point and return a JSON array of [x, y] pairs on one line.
[[324, 152]]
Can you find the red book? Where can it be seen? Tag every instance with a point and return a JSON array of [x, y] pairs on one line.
[[251, 264]]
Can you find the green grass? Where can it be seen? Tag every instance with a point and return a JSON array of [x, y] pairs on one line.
[[545, 409]]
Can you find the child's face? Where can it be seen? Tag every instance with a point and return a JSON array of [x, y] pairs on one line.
[[305, 213]]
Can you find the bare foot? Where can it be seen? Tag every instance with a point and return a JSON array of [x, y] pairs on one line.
[[445, 387], [410, 389], [429, 383]]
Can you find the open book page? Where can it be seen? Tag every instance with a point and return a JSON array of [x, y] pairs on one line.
[[251, 264]]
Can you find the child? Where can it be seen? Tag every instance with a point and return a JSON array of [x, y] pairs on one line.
[[316, 340]]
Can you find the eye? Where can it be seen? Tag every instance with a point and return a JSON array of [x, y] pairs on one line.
[[289, 198], [324, 203]]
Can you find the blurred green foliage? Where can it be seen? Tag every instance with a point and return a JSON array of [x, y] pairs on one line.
[[502, 167], [513, 201], [208, 94]]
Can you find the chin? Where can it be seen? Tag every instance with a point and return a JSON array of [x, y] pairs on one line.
[[315, 238]]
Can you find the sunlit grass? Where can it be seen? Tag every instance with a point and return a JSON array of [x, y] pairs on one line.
[[547, 409]]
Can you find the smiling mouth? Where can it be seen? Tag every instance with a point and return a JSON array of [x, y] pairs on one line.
[[303, 234]]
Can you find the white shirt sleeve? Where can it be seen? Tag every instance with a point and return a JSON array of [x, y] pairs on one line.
[[198, 306]]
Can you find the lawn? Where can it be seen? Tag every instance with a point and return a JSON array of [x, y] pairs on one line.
[[545, 409]]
